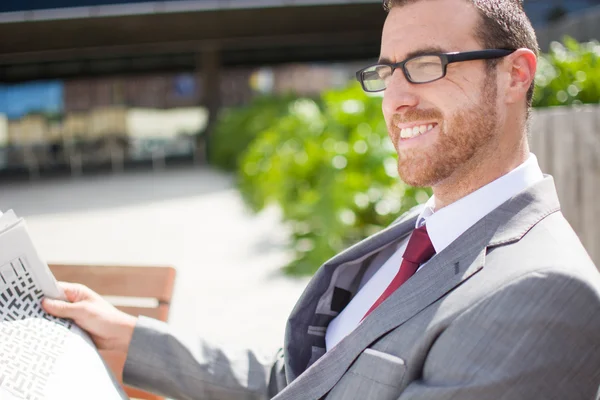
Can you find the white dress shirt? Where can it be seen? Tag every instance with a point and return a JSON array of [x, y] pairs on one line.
[[444, 227]]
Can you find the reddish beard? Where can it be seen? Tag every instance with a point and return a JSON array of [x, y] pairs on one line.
[[459, 138]]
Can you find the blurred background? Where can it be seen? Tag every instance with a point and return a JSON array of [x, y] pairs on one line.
[[229, 139]]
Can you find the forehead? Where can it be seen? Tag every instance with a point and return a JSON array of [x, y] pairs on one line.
[[445, 24]]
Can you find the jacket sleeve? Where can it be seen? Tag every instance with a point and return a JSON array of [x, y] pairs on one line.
[[159, 362], [536, 338]]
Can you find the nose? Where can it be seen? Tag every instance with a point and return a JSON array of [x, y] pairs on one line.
[[399, 95]]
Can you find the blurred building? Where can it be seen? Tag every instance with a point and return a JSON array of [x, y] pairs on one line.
[[84, 38], [582, 24], [545, 12], [92, 81], [128, 71]]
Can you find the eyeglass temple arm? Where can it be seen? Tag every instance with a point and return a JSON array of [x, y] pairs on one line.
[[478, 55]]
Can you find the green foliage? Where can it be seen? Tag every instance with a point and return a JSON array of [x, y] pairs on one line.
[[568, 75], [328, 164], [238, 127], [330, 167]]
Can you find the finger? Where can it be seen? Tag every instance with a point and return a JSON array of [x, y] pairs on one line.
[[75, 292], [62, 309]]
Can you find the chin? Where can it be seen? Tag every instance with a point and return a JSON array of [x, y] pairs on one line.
[[420, 177], [415, 179]]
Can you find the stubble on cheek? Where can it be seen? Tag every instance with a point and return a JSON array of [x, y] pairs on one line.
[[420, 167], [459, 138], [456, 143], [415, 165]]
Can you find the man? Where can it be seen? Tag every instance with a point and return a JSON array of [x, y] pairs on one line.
[[483, 293]]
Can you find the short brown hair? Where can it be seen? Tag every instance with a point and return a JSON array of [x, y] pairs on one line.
[[503, 25]]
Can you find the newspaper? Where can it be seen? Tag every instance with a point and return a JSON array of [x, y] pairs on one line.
[[41, 357]]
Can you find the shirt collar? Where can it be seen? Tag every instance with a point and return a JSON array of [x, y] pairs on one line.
[[447, 224]]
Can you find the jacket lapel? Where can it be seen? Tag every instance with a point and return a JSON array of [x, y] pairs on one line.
[[401, 227], [298, 347], [457, 263]]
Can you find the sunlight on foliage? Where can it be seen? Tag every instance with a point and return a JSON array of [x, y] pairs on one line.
[[328, 164], [569, 74]]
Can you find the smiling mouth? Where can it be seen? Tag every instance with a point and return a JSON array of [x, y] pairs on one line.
[[409, 133]]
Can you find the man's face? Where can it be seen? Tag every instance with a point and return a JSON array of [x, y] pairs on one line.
[[457, 112]]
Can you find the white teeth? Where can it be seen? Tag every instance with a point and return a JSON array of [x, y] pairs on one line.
[[406, 133]]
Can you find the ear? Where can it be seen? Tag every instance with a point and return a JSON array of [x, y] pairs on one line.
[[521, 67]]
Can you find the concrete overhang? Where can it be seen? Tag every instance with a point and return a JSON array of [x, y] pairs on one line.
[[173, 35]]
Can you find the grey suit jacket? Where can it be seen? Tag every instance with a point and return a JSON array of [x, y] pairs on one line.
[[510, 310]]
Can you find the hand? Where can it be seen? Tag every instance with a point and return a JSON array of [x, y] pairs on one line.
[[109, 328]]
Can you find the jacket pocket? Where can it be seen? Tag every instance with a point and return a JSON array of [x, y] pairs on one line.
[[374, 375]]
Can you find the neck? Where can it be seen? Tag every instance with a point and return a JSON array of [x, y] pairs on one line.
[[483, 168]]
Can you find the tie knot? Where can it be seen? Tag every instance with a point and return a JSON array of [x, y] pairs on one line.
[[419, 248]]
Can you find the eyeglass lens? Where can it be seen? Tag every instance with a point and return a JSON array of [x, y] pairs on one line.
[[424, 69], [420, 70]]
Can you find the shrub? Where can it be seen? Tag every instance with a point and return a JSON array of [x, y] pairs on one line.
[[236, 128], [330, 167], [568, 75], [328, 164]]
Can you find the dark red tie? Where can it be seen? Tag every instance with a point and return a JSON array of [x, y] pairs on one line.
[[418, 250]]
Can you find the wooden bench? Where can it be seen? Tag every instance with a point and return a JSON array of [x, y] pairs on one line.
[[154, 283]]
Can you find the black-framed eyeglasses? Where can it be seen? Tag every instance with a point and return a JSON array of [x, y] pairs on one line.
[[423, 68]]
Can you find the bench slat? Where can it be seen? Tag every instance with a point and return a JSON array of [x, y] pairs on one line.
[[127, 281], [160, 313]]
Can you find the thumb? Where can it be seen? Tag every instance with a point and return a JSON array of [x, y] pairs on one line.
[[61, 309]]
